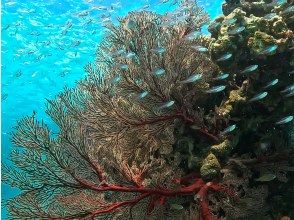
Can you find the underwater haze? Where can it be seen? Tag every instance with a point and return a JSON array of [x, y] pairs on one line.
[[45, 46]]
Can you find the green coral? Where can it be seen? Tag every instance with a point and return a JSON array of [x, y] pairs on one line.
[[234, 97], [210, 168]]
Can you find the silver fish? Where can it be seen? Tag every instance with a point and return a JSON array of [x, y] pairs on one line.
[[222, 76], [143, 94], [269, 49], [159, 50], [193, 35], [289, 88], [229, 129], [236, 30], [289, 10], [230, 21], [270, 15], [167, 104], [249, 69], [192, 78], [200, 48], [271, 83], [176, 207], [159, 72], [266, 177], [130, 55], [225, 57], [123, 66], [259, 96], [285, 120], [290, 94], [216, 89], [131, 24]]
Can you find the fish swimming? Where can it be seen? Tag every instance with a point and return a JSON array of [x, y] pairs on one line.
[[269, 50], [229, 129], [289, 10], [123, 66], [159, 50], [167, 104], [143, 94], [236, 30], [271, 83], [249, 69], [192, 78], [222, 76], [193, 35], [159, 72], [216, 89], [289, 88], [285, 120], [230, 21], [259, 96], [225, 57], [176, 207], [131, 24], [270, 15], [266, 177], [130, 55], [200, 48], [290, 94]]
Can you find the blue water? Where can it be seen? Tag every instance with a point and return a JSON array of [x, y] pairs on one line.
[[45, 46]]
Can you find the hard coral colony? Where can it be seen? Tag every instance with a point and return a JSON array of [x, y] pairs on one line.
[[190, 127]]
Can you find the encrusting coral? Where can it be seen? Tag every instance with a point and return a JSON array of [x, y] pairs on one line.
[[158, 130]]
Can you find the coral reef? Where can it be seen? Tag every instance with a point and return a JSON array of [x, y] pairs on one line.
[[168, 124]]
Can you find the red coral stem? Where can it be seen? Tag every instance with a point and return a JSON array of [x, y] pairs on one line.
[[158, 194]]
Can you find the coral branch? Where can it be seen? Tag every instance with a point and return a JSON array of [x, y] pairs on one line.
[[158, 195]]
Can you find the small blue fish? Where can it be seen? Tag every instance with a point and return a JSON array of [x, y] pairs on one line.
[[193, 35], [159, 50], [131, 24], [285, 120], [269, 49], [192, 78], [143, 94], [290, 94], [200, 48], [123, 66], [130, 55], [229, 129], [236, 30], [270, 16], [230, 21], [288, 89], [225, 57], [167, 104], [259, 96], [249, 69], [159, 72], [216, 89], [222, 76], [271, 83], [289, 10], [116, 79]]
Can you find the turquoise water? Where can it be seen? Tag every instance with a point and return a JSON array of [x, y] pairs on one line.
[[45, 46]]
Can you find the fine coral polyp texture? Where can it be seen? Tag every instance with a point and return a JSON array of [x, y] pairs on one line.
[[169, 123]]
